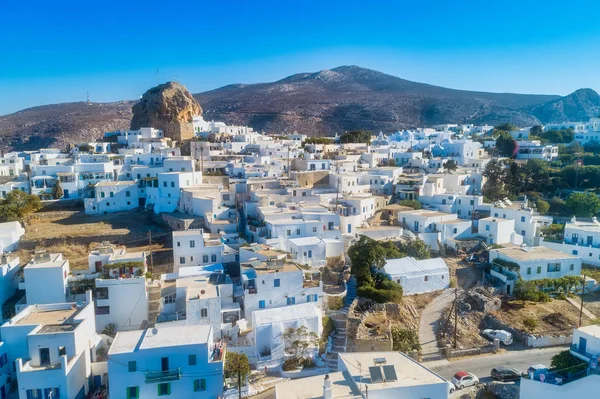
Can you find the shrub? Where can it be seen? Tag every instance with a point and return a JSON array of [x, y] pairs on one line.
[[411, 203], [308, 363], [290, 364], [567, 363], [405, 340], [335, 302], [530, 323], [379, 295]]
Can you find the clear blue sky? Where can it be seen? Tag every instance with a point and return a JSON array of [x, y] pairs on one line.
[[56, 51]]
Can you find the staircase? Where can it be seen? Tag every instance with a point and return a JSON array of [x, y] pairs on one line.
[[351, 287], [339, 339]]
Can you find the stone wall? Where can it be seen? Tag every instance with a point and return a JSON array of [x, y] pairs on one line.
[[542, 342], [355, 319], [311, 179]]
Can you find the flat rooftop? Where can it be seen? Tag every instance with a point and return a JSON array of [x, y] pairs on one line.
[[533, 253], [312, 388], [424, 212], [50, 318], [159, 337], [592, 226], [408, 371], [593, 330]]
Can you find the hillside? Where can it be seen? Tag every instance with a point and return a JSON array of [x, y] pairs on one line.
[[324, 102]]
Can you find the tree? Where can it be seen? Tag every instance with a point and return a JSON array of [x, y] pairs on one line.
[[583, 204], [367, 253], [299, 341], [542, 206], [495, 172], [236, 365], [356, 136], [529, 291], [57, 191], [18, 204], [567, 363], [592, 146], [536, 130], [405, 340], [414, 204], [416, 248], [505, 127], [450, 165], [506, 145]]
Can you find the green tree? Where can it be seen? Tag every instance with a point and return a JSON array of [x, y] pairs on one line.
[[583, 204], [367, 253], [416, 248], [57, 191], [536, 130], [236, 365], [405, 340], [542, 206], [593, 147], [18, 204], [505, 127], [506, 145], [529, 291], [495, 172], [450, 165], [356, 136], [567, 363], [414, 204]]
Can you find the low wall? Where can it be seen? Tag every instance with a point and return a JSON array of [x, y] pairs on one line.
[[542, 342], [303, 373], [451, 352]]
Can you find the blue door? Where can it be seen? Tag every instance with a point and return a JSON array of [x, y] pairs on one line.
[[582, 345], [66, 193], [97, 381]]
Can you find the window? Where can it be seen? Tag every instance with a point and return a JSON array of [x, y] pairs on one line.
[[170, 298], [164, 389], [101, 194], [539, 269], [182, 260], [297, 232], [178, 244], [213, 258], [261, 304], [487, 227], [522, 218], [471, 202], [34, 394], [112, 194], [192, 244], [52, 393], [200, 385], [553, 267], [426, 278], [277, 283], [164, 184], [191, 258], [173, 184], [204, 258], [310, 254], [528, 270], [102, 310], [204, 312], [291, 301], [289, 233], [575, 252], [523, 233], [132, 366], [455, 230], [458, 212], [127, 193], [572, 267], [314, 229], [192, 360]]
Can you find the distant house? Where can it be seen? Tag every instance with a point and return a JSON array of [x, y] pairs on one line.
[[10, 234], [418, 276]]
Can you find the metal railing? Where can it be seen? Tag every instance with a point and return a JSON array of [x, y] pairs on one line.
[[163, 376]]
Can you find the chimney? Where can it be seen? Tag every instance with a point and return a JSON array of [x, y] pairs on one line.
[[327, 388]]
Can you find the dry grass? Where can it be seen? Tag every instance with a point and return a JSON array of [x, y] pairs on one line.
[[554, 317]]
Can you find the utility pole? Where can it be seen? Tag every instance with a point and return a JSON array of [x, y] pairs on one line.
[[150, 249], [337, 194], [288, 168], [582, 292], [455, 315]]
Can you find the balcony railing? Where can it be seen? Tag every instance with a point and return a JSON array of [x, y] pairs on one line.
[[163, 376]]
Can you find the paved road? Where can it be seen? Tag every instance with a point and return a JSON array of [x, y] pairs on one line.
[[429, 320], [482, 365]]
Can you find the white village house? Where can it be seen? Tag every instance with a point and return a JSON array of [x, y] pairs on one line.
[[418, 276]]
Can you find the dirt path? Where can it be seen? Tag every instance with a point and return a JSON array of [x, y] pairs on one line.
[[429, 321]]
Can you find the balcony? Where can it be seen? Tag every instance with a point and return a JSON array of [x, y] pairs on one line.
[[163, 376]]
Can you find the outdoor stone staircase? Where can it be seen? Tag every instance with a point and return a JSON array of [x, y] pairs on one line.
[[351, 288]]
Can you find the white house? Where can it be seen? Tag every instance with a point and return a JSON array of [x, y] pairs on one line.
[[418, 276], [499, 231], [177, 361], [531, 263], [379, 375], [46, 277], [8, 279], [586, 342], [271, 324], [528, 223], [115, 262], [194, 247], [580, 238], [122, 302], [54, 346], [112, 196], [5, 369], [10, 234], [277, 283]]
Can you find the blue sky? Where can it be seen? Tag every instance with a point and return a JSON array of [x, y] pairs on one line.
[[57, 51]]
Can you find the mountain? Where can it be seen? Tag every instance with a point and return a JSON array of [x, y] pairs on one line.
[[53, 125], [351, 97], [324, 102]]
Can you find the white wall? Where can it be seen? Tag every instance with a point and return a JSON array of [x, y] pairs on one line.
[[127, 302], [586, 387]]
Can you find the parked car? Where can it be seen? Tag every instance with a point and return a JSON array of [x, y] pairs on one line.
[[503, 336], [505, 373], [463, 379], [451, 388]]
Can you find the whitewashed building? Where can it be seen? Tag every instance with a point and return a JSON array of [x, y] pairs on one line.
[[122, 302], [581, 238], [418, 276], [10, 234], [499, 231], [177, 361], [9, 266], [45, 280], [194, 247], [117, 196]]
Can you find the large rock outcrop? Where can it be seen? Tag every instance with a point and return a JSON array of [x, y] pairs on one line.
[[169, 107]]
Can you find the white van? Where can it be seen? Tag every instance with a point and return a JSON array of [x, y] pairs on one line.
[[503, 336]]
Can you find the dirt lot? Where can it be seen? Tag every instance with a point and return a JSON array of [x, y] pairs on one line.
[[554, 317], [74, 234]]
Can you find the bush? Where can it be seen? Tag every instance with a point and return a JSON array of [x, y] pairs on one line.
[[528, 291], [411, 203], [379, 295], [405, 340], [530, 323], [308, 363], [335, 302], [290, 364], [567, 363]]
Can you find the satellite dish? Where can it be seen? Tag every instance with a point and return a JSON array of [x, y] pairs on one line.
[[154, 331]]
